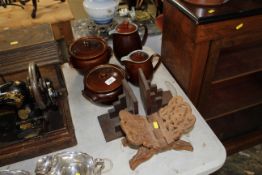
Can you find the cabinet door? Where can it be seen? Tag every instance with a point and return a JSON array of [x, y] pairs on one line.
[[233, 85]]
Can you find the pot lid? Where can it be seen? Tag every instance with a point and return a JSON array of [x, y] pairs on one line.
[[104, 78], [88, 47], [126, 27]]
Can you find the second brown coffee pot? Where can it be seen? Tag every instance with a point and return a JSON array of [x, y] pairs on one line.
[[126, 38]]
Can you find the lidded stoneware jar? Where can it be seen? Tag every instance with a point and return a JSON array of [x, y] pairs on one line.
[[88, 52]]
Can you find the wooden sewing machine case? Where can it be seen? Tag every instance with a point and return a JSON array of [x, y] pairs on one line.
[[17, 49]]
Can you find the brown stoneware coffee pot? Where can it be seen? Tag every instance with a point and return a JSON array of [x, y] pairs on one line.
[[140, 59], [126, 38]]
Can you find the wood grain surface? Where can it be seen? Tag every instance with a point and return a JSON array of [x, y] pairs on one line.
[[48, 11]]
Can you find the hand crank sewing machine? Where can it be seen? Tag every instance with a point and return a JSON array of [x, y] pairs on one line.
[[5, 3], [24, 106]]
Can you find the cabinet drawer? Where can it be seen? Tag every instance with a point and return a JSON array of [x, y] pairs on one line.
[[229, 28]]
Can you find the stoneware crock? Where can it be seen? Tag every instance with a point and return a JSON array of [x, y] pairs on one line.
[[88, 52], [126, 38], [140, 59], [103, 83], [207, 2]]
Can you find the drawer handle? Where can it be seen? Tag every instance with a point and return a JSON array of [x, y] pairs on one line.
[[239, 26], [211, 11], [13, 43]]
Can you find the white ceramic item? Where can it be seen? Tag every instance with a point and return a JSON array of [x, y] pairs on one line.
[[101, 11]]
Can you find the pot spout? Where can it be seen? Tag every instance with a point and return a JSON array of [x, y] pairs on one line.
[[111, 32], [125, 59]]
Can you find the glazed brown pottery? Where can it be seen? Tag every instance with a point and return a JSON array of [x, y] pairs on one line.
[[206, 2], [126, 38], [88, 52], [103, 83], [140, 59]]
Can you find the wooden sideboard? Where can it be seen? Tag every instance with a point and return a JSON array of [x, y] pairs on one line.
[[215, 53]]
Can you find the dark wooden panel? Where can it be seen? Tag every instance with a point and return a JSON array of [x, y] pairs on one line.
[[184, 59], [211, 63], [232, 96], [229, 28], [233, 68], [239, 56], [242, 142], [176, 50], [236, 124], [218, 64]]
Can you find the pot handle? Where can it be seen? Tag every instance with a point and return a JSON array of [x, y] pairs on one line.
[[43, 165], [113, 31], [143, 41], [158, 61], [99, 166], [102, 166], [90, 96], [110, 52]]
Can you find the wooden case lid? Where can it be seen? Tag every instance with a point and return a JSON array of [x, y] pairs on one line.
[[36, 44]]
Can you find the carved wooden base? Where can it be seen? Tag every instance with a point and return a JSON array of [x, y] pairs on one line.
[[158, 132], [143, 153]]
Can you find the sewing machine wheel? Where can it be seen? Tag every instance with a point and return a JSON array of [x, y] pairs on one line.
[[37, 86]]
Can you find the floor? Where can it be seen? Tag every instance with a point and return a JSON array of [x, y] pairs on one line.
[[246, 162]]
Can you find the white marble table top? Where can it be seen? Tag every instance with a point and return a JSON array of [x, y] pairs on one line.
[[208, 154]]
